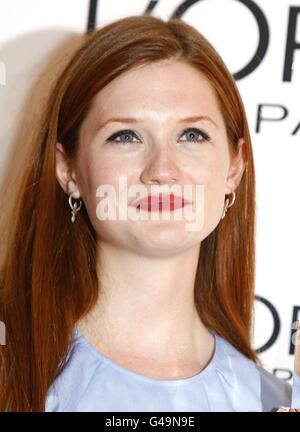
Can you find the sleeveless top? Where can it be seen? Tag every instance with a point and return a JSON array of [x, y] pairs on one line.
[[90, 381]]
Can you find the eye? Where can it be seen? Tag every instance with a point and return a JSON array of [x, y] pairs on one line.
[[194, 132], [126, 134]]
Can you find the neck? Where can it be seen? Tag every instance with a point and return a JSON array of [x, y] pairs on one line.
[[146, 309]]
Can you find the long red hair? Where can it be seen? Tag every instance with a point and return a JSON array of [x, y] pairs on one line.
[[48, 274]]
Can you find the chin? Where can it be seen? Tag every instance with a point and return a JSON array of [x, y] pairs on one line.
[[165, 241]]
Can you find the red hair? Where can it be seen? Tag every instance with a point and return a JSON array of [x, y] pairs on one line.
[[48, 275]]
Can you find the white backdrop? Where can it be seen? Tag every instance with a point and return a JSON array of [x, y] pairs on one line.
[[261, 33]]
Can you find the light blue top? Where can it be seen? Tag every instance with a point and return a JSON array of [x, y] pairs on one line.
[[231, 382]]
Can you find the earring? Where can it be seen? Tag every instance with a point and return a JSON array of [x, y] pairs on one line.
[[75, 207], [227, 205]]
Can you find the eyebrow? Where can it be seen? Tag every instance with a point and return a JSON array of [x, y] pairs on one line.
[[137, 120]]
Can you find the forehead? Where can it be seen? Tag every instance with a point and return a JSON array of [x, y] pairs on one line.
[[165, 89]]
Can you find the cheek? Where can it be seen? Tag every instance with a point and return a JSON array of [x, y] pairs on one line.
[[212, 176], [97, 172]]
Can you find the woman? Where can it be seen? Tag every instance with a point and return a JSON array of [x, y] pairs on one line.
[[133, 314]]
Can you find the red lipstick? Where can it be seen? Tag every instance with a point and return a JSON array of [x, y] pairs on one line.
[[161, 202]]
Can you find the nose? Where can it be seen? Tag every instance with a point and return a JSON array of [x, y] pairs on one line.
[[161, 169]]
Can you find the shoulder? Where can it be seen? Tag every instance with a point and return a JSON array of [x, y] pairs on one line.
[[272, 391], [78, 370], [275, 392]]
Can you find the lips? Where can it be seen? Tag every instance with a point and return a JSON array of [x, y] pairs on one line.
[[161, 202]]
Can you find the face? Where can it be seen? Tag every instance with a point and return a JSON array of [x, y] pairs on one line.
[[159, 148]]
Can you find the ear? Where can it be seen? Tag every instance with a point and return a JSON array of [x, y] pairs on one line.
[[237, 168], [64, 174]]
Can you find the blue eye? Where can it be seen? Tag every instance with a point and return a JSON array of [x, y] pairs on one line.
[[127, 133], [194, 132]]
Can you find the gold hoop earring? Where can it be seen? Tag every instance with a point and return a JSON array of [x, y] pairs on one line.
[[227, 205], [75, 207]]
